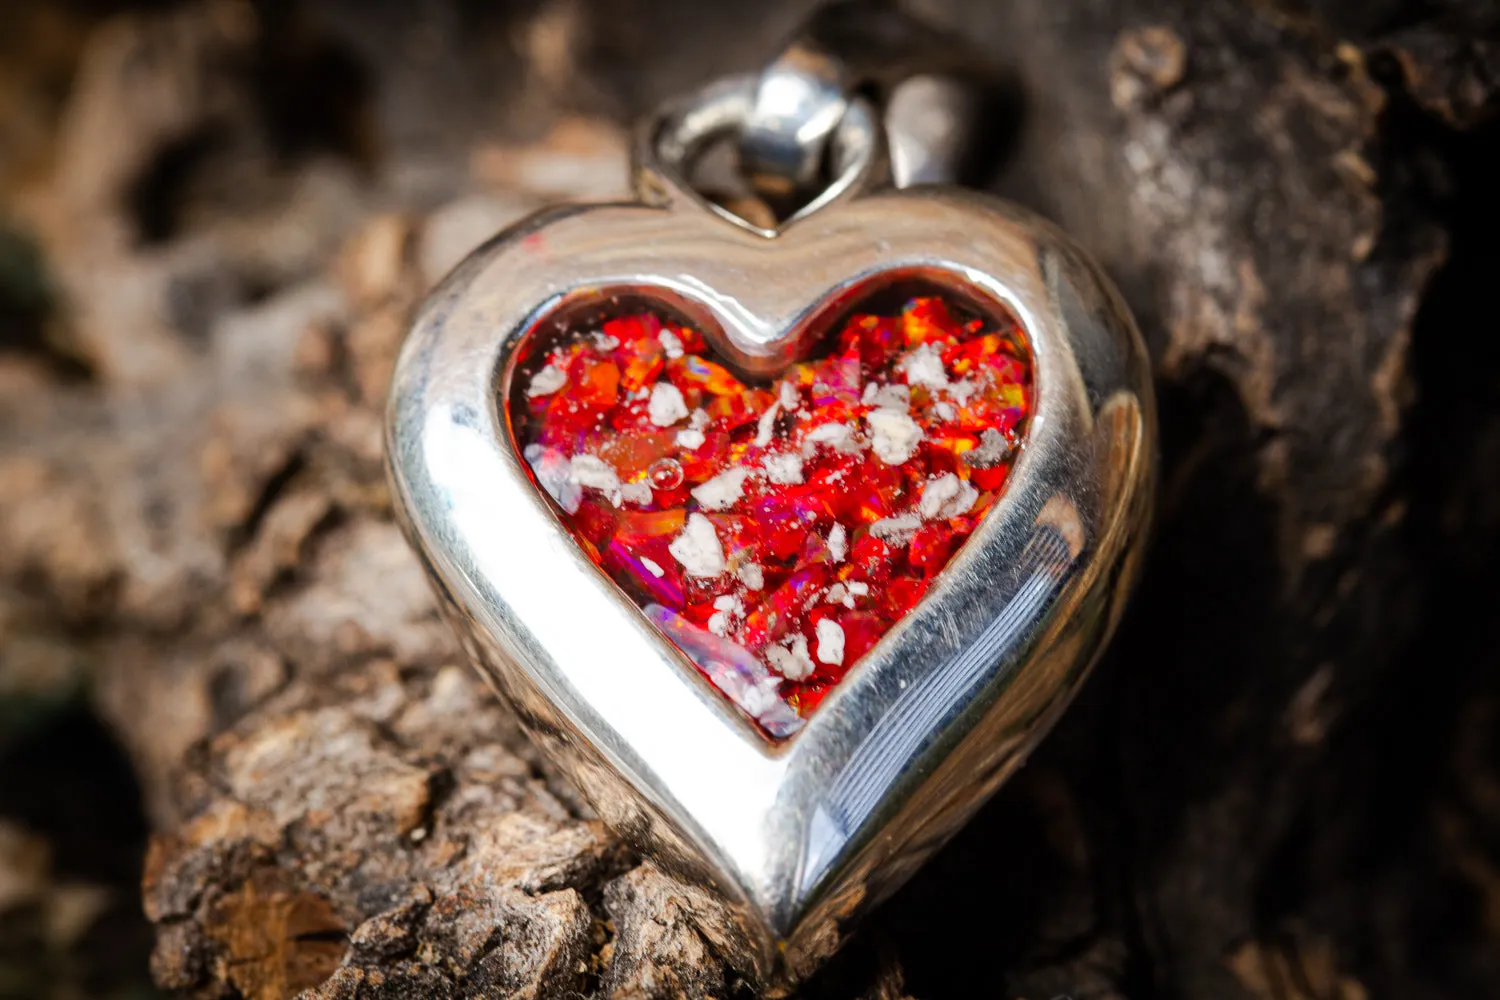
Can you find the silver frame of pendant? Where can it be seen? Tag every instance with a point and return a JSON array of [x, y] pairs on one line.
[[796, 838]]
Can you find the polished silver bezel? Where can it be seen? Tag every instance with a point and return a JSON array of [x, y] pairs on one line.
[[795, 838]]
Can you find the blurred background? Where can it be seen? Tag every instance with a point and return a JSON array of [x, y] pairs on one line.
[[215, 217]]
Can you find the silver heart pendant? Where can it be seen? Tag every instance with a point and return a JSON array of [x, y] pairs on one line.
[[787, 545]]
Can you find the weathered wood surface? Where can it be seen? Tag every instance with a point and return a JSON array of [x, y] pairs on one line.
[[1284, 780]]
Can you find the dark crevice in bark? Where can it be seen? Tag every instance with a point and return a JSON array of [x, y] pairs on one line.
[[155, 201], [314, 89], [1453, 533], [1367, 833], [1195, 643], [272, 489], [64, 777], [29, 310]]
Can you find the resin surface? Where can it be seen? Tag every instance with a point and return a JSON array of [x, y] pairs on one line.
[[775, 531]]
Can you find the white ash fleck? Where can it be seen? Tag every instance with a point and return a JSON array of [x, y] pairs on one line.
[[898, 528], [946, 496], [945, 410], [727, 610], [605, 342], [848, 592], [790, 658], [666, 406], [784, 469], [595, 473], [591, 471], [924, 366], [961, 391], [790, 398], [765, 427], [830, 433], [990, 451], [547, 381], [752, 576], [698, 419], [894, 435], [838, 543], [639, 493], [839, 437], [555, 474], [690, 439], [722, 491], [845, 593], [760, 698], [890, 397], [810, 600], [653, 567], [830, 642], [698, 548], [670, 343]]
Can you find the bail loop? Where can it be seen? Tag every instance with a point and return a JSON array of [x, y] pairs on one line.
[[844, 50], [864, 95], [669, 146]]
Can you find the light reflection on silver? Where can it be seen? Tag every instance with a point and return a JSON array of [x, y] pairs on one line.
[[926, 129], [923, 708], [732, 669], [797, 838], [924, 73], [668, 145]]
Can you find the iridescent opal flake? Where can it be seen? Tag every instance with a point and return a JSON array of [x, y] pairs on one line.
[[775, 531]]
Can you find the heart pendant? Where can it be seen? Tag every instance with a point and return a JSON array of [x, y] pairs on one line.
[[787, 545]]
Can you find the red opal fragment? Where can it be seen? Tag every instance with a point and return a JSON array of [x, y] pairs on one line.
[[775, 531]]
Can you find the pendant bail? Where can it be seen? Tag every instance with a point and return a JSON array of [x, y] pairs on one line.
[[845, 50], [669, 146]]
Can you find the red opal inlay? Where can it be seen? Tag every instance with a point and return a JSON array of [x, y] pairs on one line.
[[775, 531]]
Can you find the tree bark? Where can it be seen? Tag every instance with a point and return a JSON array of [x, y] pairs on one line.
[[1280, 783]]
